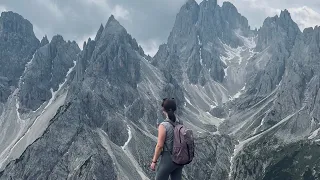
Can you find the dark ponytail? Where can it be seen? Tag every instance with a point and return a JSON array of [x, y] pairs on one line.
[[171, 116], [170, 106]]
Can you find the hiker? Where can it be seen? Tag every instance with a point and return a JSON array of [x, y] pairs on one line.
[[168, 132]]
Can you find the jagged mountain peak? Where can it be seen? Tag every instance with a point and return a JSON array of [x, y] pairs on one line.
[[110, 51], [228, 5], [190, 3], [101, 28], [47, 71], [277, 28], [14, 23], [209, 3], [311, 36], [114, 32], [17, 45], [184, 23], [287, 21], [189, 8], [283, 20], [205, 25], [308, 30], [44, 41], [285, 14], [112, 29], [114, 90], [11, 15], [113, 25], [57, 38]]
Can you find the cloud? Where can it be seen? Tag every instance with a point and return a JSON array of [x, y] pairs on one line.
[[305, 17], [120, 13], [2, 8], [98, 3], [83, 39], [38, 31], [256, 11], [149, 21], [150, 46], [52, 8]]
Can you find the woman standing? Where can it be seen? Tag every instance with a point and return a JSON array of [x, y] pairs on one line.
[[166, 166]]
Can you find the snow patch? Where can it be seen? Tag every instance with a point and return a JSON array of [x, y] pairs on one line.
[[231, 162], [231, 54], [35, 130], [226, 72], [241, 144], [237, 95], [308, 157], [27, 65], [106, 145], [239, 147], [68, 73], [314, 134], [212, 106], [129, 138], [188, 101], [261, 124], [249, 42], [39, 125], [20, 81], [200, 44], [17, 109], [54, 93]]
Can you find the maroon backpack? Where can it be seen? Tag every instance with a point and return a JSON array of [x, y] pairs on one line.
[[183, 145]]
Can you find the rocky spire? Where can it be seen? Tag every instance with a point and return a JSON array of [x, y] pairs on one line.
[[114, 26], [234, 18], [276, 28], [17, 45], [11, 22], [47, 70], [44, 41], [184, 23], [209, 4], [99, 32]]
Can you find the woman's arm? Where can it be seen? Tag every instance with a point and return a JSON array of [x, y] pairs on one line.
[[160, 144]]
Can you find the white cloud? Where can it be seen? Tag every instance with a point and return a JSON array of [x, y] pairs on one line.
[[100, 4], [150, 46], [305, 17], [52, 7], [84, 39], [38, 32], [2, 9], [120, 13]]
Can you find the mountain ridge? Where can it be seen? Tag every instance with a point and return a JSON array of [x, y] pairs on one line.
[[104, 113]]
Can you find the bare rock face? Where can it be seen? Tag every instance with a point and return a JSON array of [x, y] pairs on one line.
[[73, 148], [47, 71], [250, 96], [285, 124], [195, 43], [17, 45], [275, 42]]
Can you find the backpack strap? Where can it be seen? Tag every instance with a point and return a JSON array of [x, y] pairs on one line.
[[173, 124]]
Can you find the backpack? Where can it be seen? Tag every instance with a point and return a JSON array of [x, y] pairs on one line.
[[183, 145]]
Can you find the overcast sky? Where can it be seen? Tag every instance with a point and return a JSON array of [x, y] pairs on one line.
[[149, 21]]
